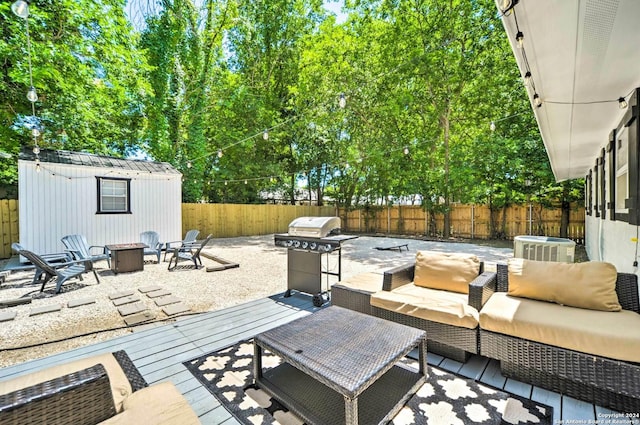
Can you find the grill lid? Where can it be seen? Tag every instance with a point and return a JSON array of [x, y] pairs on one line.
[[317, 227]]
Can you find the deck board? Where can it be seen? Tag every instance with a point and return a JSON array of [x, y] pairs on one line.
[[550, 399], [158, 351]]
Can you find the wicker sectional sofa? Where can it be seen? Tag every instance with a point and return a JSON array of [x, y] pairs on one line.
[[105, 389], [587, 354], [449, 317], [589, 350]]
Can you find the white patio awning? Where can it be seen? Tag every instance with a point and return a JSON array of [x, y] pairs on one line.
[[583, 56]]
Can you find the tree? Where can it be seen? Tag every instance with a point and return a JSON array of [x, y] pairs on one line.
[[86, 75]]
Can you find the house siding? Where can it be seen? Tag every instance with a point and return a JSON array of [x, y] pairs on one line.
[[61, 199]]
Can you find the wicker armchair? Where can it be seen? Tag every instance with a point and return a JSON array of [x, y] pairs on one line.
[[603, 381], [445, 339], [80, 397], [105, 388]]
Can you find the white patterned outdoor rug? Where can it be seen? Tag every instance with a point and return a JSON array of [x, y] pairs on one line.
[[444, 399]]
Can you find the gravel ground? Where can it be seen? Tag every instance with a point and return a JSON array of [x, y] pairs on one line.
[[262, 272]]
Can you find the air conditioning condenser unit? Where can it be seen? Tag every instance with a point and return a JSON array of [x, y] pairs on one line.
[[544, 248]]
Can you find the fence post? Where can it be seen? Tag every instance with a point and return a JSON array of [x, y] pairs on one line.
[[473, 219], [530, 218]]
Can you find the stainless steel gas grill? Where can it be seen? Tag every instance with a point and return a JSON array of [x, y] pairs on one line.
[[308, 239]]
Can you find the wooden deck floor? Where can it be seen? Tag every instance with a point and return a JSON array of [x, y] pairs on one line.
[[158, 352]]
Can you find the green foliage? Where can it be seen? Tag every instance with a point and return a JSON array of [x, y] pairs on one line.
[[86, 72], [422, 81]]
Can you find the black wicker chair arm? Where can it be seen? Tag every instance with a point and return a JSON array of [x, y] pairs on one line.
[[132, 373], [82, 397], [398, 276], [627, 290], [481, 288]]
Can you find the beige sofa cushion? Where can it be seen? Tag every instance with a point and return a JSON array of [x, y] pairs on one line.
[[589, 285], [157, 404], [120, 387], [368, 282], [608, 334], [448, 271], [430, 304]]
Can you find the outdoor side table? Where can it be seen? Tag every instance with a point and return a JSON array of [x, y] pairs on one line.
[[127, 257], [341, 366]]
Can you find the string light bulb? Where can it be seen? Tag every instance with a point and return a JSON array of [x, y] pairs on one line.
[[622, 103], [37, 165], [520, 39], [36, 151], [506, 6], [265, 134], [21, 9], [492, 126], [536, 100], [32, 95], [406, 150], [245, 182], [220, 154], [342, 101], [189, 165], [35, 133], [527, 78]]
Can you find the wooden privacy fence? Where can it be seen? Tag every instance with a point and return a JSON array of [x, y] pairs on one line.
[[231, 220], [467, 221], [8, 226]]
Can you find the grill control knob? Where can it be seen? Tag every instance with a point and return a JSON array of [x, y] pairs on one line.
[[313, 246], [305, 244], [290, 242], [327, 247], [296, 244]]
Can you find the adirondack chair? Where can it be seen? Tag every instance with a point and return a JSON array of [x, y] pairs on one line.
[[189, 237], [151, 240], [61, 271], [58, 257], [189, 251], [78, 246]]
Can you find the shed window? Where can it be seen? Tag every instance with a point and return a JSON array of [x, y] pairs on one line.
[[113, 195]]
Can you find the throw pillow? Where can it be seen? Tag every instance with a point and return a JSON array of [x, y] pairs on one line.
[[590, 285], [446, 271]]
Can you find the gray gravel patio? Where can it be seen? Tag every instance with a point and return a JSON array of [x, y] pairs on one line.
[[262, 272]]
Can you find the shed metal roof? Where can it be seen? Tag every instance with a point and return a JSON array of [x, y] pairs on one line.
[[92, 160]]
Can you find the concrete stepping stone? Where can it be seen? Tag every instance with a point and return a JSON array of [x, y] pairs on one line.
[[134, 319], [15, 301], [151, 288], [45, 309], [172, 309], [129, 309], [8, 315], [80, 301], [122, 294], [167, 300], [126, 300], [158, 293]]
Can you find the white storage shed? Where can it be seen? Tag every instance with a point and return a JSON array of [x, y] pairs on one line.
[[109, 200]]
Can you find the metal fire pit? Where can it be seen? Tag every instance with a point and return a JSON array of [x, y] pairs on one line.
[[308, 239]]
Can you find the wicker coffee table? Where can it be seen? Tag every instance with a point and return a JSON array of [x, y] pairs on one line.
[[341, 366]]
